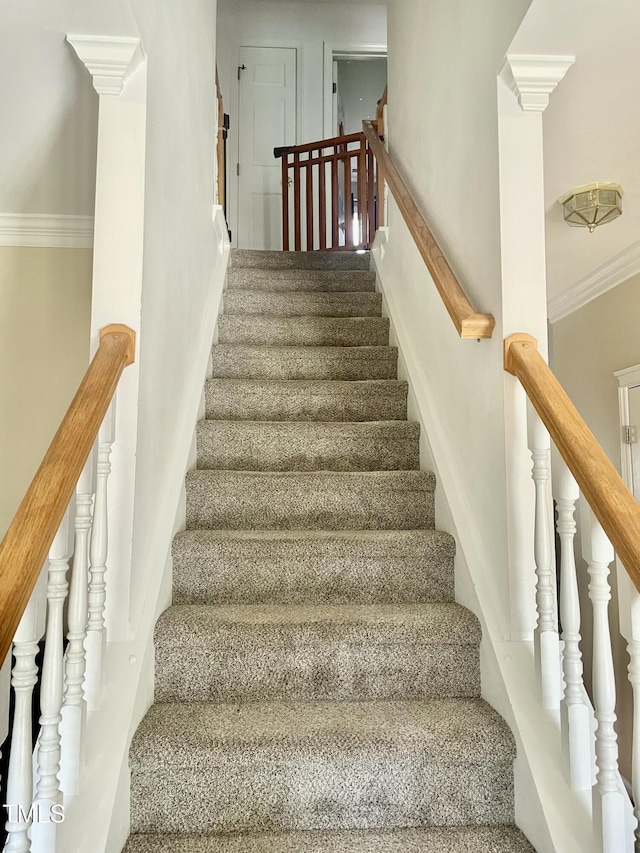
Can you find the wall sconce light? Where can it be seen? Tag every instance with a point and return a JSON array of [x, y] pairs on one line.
[[592, 205]]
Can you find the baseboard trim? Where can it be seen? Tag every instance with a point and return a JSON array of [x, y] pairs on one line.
[[614, 272], [46, 230]]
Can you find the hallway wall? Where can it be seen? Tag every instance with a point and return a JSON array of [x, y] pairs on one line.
[[305, 26]]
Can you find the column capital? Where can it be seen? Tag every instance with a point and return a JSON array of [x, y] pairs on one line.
[[532, 78], [110, 60]]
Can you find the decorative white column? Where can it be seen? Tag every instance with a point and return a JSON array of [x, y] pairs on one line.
[[74, 704], [47, 755], [23, 679], [523, 82], [546, 640], [610, 827], [574, 713], [119, 75], [96, 639]]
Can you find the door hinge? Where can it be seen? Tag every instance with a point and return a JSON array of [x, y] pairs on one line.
[[241, 68], [629, 435], [335, 88], [238, 169]]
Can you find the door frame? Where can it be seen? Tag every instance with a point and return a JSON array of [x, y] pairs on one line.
[[354, 50], [627, 378]]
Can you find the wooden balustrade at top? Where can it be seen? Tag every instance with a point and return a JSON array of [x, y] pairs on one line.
[[328, 194]]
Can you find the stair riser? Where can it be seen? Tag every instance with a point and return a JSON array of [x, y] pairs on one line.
[[308, 447], [304, 331], [248, 576], [294, 505], [233, 361], [467, 839], [255, 302], [311, 787], [298, 401], [300, 260], [306, 281], [236, 665]]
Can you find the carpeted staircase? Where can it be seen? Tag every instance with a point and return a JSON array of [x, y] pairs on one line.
[[317, 689]]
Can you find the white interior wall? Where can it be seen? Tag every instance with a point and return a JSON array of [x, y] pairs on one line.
[[305, 26], [437, 61]]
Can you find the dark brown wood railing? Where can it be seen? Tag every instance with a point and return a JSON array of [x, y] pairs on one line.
[[328, 194], [28, 539]]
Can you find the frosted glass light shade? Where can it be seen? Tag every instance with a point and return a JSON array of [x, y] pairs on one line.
[[592, 205]]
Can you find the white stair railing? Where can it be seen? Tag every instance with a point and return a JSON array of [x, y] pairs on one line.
[[42, 778], [589, 741]]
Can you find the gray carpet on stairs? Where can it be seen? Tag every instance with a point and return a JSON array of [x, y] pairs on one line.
[[317, 687]]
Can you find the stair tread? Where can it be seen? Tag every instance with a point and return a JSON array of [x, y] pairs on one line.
[[268, 259], [309, 445], [304, 362], [455, 731], [306, 281], [301, 400], [292, 303], [416, 623], [458, 839], [281, 330], [371, 541]]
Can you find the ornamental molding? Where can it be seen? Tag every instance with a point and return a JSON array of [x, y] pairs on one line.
[[44, 230], [615, 271], [109, 60], [532, 78]]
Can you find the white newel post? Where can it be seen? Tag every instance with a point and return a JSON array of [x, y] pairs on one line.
[[546, 640], [23, 679], [574, 713], [96, 639], [608, 799], [47, 755], [634, 677], [524, 86], [74, 704], [119, 75]]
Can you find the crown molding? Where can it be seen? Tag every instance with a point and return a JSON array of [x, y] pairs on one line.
[[533, 78], [109, 60], [42, 230], [616, 271]]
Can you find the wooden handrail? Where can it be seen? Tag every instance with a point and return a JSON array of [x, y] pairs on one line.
[[611, 501], [28, 539], [468, 323], [315, 146]]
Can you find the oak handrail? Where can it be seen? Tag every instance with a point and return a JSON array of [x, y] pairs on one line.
[[28, 539], [611, 501], [467, 321]]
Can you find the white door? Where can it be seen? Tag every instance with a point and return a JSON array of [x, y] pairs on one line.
[[267, 120], [634, 420]]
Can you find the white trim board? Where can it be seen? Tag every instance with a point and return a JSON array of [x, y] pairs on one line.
[[614, 272], [46, 230]]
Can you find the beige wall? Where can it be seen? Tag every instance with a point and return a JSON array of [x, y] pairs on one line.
[[588, 346], [45, 302]]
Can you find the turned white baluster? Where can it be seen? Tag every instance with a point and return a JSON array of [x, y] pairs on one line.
[[633, 649], [574, 713], [608, 799], [547, 645], [5, 688], [23, 679], [48, 793], [96, 632], [74, 705]]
